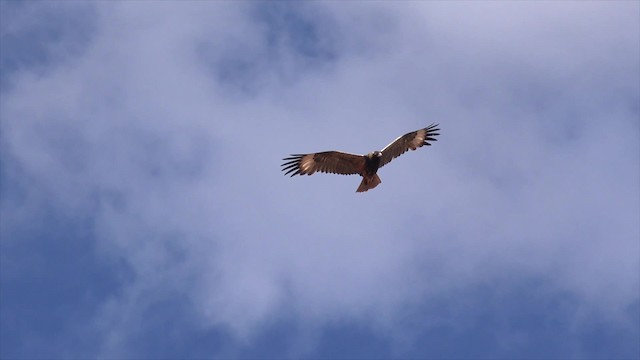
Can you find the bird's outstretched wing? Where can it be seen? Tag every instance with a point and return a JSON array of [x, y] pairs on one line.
[[334, 162], [412, 140]]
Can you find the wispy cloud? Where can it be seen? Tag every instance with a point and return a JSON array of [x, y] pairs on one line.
[[160, 129]]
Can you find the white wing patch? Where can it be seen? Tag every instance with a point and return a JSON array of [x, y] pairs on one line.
[[306, 164], [418, 140]]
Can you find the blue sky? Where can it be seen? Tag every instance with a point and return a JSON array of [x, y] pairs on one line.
[[144, 214]]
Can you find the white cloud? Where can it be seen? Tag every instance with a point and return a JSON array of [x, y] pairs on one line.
[[177, 154]]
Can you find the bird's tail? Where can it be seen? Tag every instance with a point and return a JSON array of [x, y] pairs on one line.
[[369, 182]]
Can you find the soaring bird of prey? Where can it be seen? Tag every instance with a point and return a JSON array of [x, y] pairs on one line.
[[337, 162]]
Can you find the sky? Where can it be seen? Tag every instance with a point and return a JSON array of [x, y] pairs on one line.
[[143, 212]]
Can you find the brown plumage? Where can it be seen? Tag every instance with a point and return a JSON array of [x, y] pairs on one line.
[[336, 162]]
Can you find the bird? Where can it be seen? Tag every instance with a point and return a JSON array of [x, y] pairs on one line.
[[337, 162]]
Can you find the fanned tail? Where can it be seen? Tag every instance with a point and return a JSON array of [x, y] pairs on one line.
[[369, 183]]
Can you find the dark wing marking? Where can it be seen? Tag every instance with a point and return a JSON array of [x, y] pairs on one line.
[[412, 140], [334, 162]]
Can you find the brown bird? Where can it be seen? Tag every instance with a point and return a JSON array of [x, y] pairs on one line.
[[337, 162]]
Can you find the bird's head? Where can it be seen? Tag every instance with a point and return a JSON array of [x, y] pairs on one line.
[[374, 154]]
